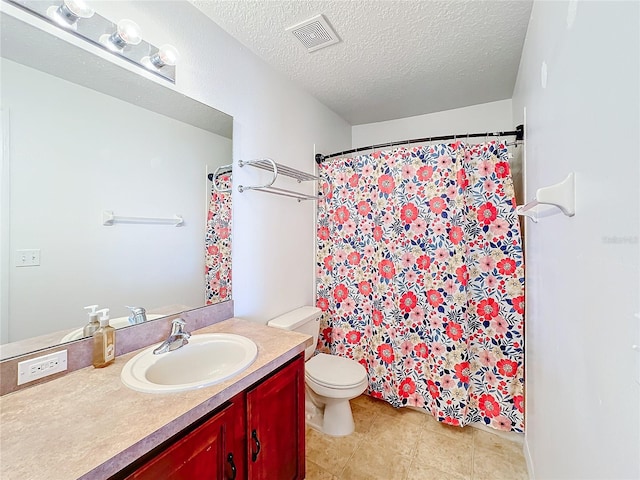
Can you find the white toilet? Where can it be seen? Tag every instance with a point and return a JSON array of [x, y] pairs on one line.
[[331, 381]]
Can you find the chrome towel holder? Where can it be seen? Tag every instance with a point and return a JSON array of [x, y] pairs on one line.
[[278, 169]]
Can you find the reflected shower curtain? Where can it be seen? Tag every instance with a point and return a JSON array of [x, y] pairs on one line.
[[420, 276], [218, 242]]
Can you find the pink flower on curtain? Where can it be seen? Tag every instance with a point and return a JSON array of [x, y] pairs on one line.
[[488, 308], [487, 213], [342, 215], [407, 387], [340, 293], [463, 372], [421, 350], [323, 233], [455, 235], [507, 367], [387, 269], [502, 169], [454, 331], [488, 406], [408, 302], [386, 184], [386, 353], [434, 298], [408, 213], [437, 205]]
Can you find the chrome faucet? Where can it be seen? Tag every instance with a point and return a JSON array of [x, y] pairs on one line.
[[138, 315], [177, 338]]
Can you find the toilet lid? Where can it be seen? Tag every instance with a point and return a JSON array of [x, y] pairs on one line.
[[334, 371]]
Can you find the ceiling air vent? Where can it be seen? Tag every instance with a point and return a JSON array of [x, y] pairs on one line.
[[314, 33]]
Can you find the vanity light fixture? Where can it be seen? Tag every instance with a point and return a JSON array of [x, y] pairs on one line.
[[122, 39], [127, 33], [166, 55], [68, 14]]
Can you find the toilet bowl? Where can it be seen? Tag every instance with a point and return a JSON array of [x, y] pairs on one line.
[[331, 381]]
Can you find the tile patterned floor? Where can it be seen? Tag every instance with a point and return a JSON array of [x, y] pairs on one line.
[[404, 444]]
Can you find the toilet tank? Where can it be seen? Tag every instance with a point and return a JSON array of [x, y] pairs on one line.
[[304, 320]]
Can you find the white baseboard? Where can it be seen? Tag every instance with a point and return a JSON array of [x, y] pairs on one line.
[[511, 436], [527, 457]]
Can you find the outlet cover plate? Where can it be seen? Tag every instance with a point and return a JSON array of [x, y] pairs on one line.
[[40, 367]]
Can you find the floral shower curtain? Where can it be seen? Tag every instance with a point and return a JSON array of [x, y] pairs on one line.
[[420, 276], [218, 242]]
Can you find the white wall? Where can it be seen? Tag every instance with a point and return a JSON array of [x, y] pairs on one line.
[[493, 116], [273, 237], [69, 165], [583, 403]]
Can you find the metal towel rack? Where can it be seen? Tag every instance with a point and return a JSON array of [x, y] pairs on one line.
[[221, 170], [277, 168]]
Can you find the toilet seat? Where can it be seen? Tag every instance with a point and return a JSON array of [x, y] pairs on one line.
[[335, 372]]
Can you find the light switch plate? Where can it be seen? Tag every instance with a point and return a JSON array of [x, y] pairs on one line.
[[28, 258], [40, 367]]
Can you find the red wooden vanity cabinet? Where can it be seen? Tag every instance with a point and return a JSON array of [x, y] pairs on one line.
[[275, 426], [258, 435]]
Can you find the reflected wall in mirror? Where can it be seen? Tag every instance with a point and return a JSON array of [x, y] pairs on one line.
[[82, 136]]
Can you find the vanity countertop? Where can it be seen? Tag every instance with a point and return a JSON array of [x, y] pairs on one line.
[[89, 425]]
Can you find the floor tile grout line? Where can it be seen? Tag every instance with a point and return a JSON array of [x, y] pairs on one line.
[[349, 459], [473, 456]]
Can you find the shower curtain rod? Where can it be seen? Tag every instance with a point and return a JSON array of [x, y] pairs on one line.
[[518, 133]]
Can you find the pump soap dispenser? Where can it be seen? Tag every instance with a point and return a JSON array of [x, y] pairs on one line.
[[104, 341], [93, 324]]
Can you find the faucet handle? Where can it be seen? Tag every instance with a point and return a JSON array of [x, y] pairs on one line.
[[138, 315], [177, 327]]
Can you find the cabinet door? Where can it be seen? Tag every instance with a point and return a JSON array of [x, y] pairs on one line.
[[215, 450], [275, 425]]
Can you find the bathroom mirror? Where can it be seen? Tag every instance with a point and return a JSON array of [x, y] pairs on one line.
[[81, 137]]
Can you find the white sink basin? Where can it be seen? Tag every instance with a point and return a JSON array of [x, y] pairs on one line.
[[118, 322], [207, 359]]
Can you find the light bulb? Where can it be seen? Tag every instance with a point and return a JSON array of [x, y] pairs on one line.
[[127, 33], [70, 12], [166, 55]]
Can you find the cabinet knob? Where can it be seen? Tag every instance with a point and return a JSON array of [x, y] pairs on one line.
[[233, 467], [254, 454]]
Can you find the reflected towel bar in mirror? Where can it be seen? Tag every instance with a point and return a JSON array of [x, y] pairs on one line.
[[109, 219]]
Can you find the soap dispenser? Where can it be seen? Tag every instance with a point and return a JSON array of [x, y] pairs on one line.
[[93, 324], [104, 341]]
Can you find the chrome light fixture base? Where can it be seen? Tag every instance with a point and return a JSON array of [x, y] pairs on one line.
[[100, 32]]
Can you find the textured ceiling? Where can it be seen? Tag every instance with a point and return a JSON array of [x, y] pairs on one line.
[[396, 58]]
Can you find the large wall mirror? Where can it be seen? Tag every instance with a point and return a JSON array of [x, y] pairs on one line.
[[82, 136]]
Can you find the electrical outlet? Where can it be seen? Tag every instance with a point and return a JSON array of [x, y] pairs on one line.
[[40, 367]]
